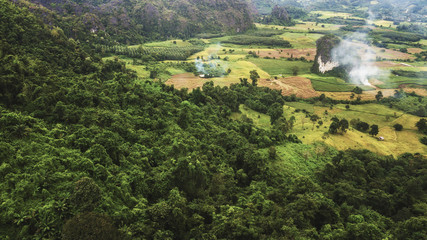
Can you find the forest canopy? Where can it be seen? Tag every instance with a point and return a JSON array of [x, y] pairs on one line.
[[89, 150]]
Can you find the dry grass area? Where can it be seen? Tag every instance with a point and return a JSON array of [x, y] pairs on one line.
[[414, 50], [381, 52], [186, 80], [392, 54], [305, 26], [308, 53], [370, 95], [388, 64], [299, 86], [395, 143]]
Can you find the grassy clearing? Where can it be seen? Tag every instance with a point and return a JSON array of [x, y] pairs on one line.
[[301, 40], [168, 43], [305, 26], [211, 49], [284, 67], [329, 14], [397, 46], [302, 159], [395, 143], [260, 120], [140, 70], [393, 81], [239, 69], [174, 71], [331, 84], [265, 26], [383, 23]]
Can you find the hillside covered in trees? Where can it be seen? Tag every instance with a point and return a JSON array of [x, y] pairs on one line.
[[134, 22], [90, 151]]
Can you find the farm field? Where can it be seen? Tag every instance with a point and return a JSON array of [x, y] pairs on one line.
[[383, 23], [332, 84], [307, 53], [281, 67], [272, 63], [301, 40], [200, 119], [313, 26], [329, 14], [297, 85]]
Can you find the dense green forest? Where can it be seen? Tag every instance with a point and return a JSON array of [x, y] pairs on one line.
[[90, 151], [105, 21]]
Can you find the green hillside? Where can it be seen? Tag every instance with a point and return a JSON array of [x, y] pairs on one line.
[[91, 149], [106, 21]]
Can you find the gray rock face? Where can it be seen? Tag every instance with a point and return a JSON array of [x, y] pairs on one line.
[[323, 61]]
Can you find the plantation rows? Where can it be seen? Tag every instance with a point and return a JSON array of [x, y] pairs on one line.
[[265, 41], [157, 53]]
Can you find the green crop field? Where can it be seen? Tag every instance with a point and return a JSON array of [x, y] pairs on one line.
[[284, 67], [169, 43], [331, 84], [301, 40], [393, 81]]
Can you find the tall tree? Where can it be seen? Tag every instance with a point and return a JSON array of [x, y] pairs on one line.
[[374, 130], [254, 76]]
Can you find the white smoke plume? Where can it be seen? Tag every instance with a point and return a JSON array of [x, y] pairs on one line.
[[357, 56], [211, 65]]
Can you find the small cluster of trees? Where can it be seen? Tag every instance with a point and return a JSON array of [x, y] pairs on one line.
[[338, 126], [422, 128], [341, 126]]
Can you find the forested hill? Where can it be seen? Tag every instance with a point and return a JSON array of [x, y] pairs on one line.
[[90, 151], [131, 21]]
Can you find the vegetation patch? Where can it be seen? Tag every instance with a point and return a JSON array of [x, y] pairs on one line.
[[332, 84], [282, 67], [396, 142], [256, 40], [152, 53]]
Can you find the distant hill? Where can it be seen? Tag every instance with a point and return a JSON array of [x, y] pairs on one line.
[[265, 7], [136, 21]]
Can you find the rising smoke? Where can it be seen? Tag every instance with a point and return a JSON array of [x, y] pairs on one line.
[[212, 66], [355, 54]]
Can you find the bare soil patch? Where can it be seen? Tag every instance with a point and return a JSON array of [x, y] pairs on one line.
[[299, 86], [308, 53]]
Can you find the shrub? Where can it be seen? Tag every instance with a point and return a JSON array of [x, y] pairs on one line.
[[362, 126], [398, 127], [86, 194], [89, 226]]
